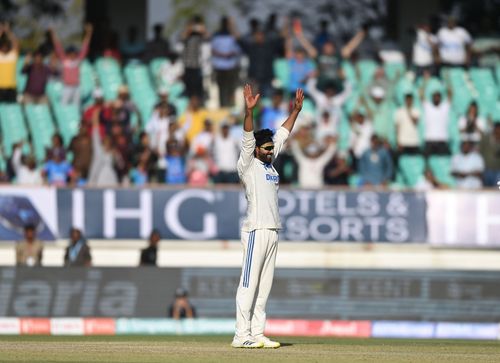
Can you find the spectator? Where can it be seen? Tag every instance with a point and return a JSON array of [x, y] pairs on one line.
[[149, 254], [170, 73], [71, 60], [380, 111], [322, 36], [78, 252], [193, 36], [126, 111], [472, 127], [428, 182], [261, 50], [489, 148], [164, 101], [193, 118], [299, 60], [361, 133], [312, 162], [226, 152], [9, 54], [38, 75], [139, 175], [181, 308], [204, 139], [132, 47], [158, 130], [274, 115], [176, 170], [328, 103], [25, 168], [436, 117], [375, 166], [158, 47], [29, 251], [226, 61], [454, 45], [56, 147], [406, 119], [81, 148], [200, 168], [99, 106], [338, 170], [425, 50], [468, 167], [102, 171], [56, 169], [111, 48]]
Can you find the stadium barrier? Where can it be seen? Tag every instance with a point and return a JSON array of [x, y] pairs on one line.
[[313, 328], [441, 218]]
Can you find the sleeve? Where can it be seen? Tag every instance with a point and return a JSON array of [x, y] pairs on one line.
[[312, 89], [466, 36], [480, 163], [16, 159], [297, 153], [342, 97], [280, 138], [247, 152], [328, 154]]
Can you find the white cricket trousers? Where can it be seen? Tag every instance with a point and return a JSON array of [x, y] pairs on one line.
[[259, 257]]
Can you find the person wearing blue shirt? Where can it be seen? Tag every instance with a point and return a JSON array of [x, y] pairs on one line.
[[57, 170], [375, 166]]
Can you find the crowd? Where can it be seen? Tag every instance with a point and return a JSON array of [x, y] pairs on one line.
[[359, 127]]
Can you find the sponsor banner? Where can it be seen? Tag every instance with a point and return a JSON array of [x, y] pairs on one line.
[[10, 326], [30, 326], [403, 329], [99, 326], [319, 328], [446, 330], [469, 219], [202, 214], [22, 206], [171, 326], [66, 326]]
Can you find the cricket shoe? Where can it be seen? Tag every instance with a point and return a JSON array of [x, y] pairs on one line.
[[268, 343], [246, 344]]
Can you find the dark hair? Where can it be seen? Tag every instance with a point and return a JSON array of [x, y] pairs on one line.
[[263, 136], [29, 227]]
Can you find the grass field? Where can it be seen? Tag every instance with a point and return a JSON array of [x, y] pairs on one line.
[[216, 349]]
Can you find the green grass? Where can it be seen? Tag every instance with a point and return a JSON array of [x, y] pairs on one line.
[[216, 349]]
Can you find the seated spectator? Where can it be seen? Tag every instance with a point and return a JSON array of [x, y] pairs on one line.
[[204, 139], [149, 254], [468, 167], [436, 118], [56, 147], [38, 74], [158, 47], [361, 133], [454, 45], [133, 47], [164, 102], [338, 170], [226, 151], [9, 54], [71, 59], [57, 170], [176, 170], [489, 148], [406, 119], [272, 116], [78, 252], [25, 168], [181, 308], [472, 127], [312, 162], [29, 251], [375, 166], [428, 182]]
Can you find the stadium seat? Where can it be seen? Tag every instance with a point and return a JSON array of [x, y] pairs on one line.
[[41, 128], [441, 168], [87, 82], [141, 89], [21, 78], [412, 168], [110, 78], [394, 70], [154, 68], [68, 120], [366, 70], [282, 72], [12, 126]]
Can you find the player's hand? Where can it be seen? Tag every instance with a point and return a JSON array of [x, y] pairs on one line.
[[498, 183], [250, 99], [299, 99]]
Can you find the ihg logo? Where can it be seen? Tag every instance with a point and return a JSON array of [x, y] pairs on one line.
[[41, 293]]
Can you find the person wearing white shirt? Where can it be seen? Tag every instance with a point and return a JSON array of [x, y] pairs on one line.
[[361, 133], [467, 167], [406, 119], [26, 173], [454, 44], [259, 230], [424, 49], [204, 140], [436, 119], [158, 129], [226, 151], [472, 127]]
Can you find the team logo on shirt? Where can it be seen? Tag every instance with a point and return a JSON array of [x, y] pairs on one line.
[[273, 178]]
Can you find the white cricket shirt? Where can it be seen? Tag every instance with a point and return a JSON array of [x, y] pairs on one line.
[[261, 183]]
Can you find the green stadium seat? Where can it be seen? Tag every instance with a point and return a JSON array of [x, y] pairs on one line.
[[141, 89], [154, 68], [441, 168], [282, 72], [41, 128], [68, 120], [110, 78], [21, 78], [394, 70], [412, 168], [366, 70], [12, 126]]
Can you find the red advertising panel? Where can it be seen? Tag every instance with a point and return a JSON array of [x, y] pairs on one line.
[[31, 326], [99, 326]]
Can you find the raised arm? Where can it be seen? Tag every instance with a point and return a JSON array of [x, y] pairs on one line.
[[250, 103], [89, 29], [11, 36], [58, 48], [297, 106], [306, 44], [351, 46]]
